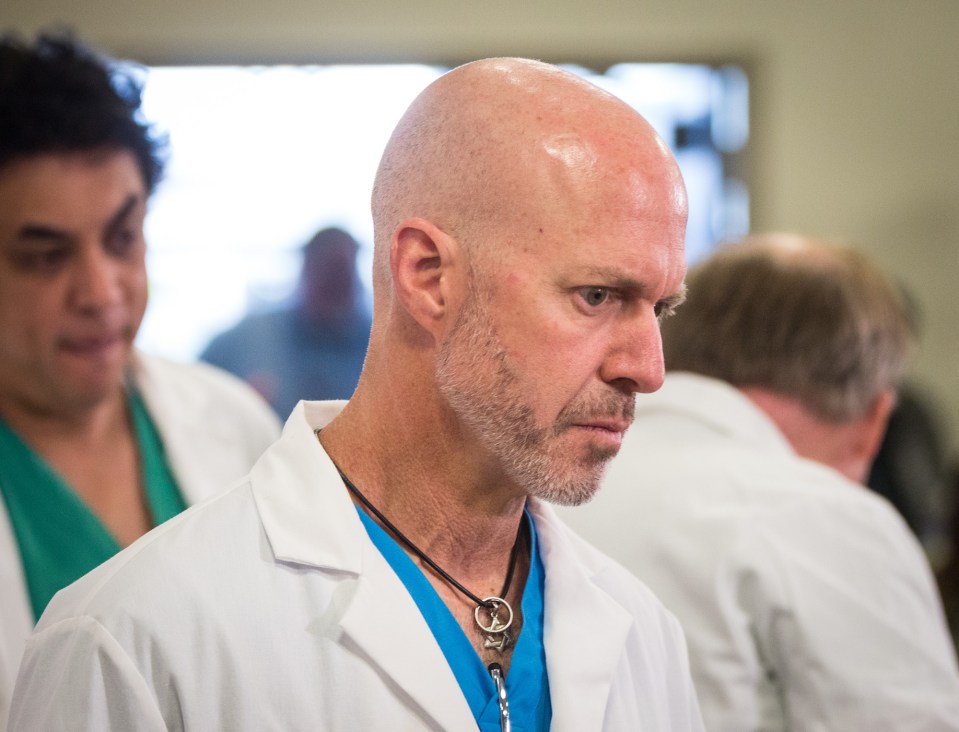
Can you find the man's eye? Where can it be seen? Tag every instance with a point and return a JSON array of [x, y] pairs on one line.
[[120, 242], [665, 309], [40, 261], [594, 295]]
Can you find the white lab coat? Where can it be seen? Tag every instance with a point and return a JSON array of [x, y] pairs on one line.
[[806, 602], [213, 428], [270, 608]]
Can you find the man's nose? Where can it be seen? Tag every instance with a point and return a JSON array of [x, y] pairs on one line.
[[96, 281], [635, 360]]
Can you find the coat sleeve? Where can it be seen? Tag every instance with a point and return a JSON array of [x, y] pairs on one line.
[[76, 677]]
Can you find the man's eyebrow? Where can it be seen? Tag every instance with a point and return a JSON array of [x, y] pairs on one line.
[[615, 278], [676, 299], [41, 233], [125, 208]]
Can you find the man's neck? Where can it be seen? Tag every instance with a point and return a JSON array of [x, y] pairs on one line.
[[417, 467], [88, 424], [95, 451], [847, 446], [428, 482]]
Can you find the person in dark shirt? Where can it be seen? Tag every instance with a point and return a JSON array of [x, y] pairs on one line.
[[313, 348]]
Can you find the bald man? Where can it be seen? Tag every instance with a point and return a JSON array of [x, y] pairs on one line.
[[391, 563]]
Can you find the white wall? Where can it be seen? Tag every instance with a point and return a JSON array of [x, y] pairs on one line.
[[856, 103]]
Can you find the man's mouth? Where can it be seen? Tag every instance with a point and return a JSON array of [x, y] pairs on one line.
[[607, 430], [93, 346]]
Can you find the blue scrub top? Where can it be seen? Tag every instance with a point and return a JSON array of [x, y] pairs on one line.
[[527, 685]]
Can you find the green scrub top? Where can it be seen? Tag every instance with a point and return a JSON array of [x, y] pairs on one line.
[[59, 537]]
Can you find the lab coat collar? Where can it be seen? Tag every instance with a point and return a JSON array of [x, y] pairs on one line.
[[717, 404], [309, 519], [179, 436], [164, 389], [306, 512]]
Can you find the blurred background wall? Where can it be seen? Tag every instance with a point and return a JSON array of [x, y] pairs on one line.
[[854, 103]]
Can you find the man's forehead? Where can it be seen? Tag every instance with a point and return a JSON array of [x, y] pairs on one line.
[[69, 190], [53, 168], [624, 258]]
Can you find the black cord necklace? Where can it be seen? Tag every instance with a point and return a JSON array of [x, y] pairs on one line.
[[486, 613]]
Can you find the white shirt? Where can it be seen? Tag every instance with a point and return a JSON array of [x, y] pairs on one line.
[[269, 607], [806, 602], [213, 428]]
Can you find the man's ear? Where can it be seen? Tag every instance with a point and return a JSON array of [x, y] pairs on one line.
[[424, 265], [875, 422]]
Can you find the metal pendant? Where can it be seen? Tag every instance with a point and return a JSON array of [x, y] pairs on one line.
[[499, 643], [493, 626]]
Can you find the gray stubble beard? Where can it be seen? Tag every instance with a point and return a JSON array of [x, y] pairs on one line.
[[505, 425]]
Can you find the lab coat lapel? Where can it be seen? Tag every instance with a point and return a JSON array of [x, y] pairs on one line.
[[582, 656], [385, 623]]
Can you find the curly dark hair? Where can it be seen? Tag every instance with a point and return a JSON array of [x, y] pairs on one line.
[[59, 96]]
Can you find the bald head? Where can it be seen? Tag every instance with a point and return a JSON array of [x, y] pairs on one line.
[[494, 147], [529, 232]]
